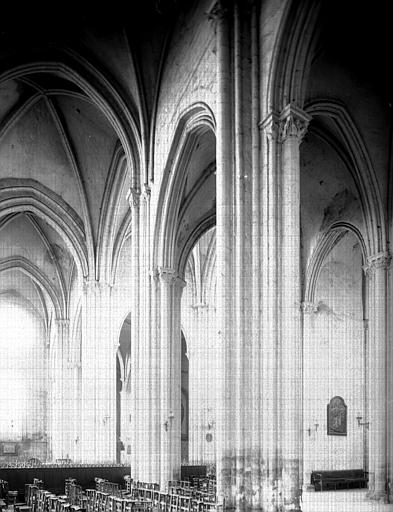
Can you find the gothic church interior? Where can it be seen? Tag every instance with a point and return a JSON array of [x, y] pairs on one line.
[[196, 204]]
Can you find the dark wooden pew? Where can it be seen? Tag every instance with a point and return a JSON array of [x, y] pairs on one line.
[[339, 479]]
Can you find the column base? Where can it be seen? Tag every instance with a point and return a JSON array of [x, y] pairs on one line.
[[380, 496], [292, 508]]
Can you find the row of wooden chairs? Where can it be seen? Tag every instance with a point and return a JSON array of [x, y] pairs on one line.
[[207, 484], [182, 496], [98, 501], [147, 499], [3, 488], [45, 501], [74, 493], [103, 485]]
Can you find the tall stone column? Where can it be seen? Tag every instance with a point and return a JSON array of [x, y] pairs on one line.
[[268, 356], [74, 363], [238, 222], [61, 403], [136, 377], [201, 360], [309, 455], [170, 375], [226, 416], [294, 124], [376, 272], [98, 363]]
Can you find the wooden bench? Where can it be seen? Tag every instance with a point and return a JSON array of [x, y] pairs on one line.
[[340, 479]]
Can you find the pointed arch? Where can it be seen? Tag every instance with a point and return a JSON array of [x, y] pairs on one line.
[[38, 277], [107, 222], [292, 55], [123, 234], [194, 122], [72, 66], [330, 239], [17, 195], [206, 223], [359, 164]]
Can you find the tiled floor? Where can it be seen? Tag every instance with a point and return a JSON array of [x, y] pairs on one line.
[[342, 501]]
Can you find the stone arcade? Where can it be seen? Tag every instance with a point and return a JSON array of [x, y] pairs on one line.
[[195, 218]]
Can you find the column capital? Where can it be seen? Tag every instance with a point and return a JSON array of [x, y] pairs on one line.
[[293, 122], [380, 260], [309, 307], [91, 284], [133, 197], [217, 10], [271, 126], [200, 305], [170, 276], [146, 191], [62, 322]]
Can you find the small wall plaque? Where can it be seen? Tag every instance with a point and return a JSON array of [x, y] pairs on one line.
[[337, 417], [9, 449]]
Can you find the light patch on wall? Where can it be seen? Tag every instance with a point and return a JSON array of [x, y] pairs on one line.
[[21, 372]]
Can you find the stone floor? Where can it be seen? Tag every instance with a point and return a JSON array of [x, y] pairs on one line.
[[334, 501], [342, 501]]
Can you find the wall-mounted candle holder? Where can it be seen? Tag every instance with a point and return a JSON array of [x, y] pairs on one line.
[[362, 423]]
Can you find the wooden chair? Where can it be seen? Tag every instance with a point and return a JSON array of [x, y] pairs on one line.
[[11, 498], [90, 500]]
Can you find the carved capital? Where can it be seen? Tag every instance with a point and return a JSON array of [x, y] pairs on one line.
[[146, 191], [381, 260], [89, 284], [217, 11], [63, 322], [271, 126], [170, 276], [309, 307], [133, 197], [293, 123], [200, 306], [92, 285]]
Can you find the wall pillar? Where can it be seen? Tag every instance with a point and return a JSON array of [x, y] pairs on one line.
[[201, 401], [137, 415], [60, 391], [169, 375], [309, 455], [268, 421], [98, 363], [376, 272], [239, 340]]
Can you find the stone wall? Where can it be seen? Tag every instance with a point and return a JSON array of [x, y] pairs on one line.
[[334, 360]]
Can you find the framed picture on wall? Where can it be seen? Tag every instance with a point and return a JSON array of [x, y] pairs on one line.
[[337, 417]]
